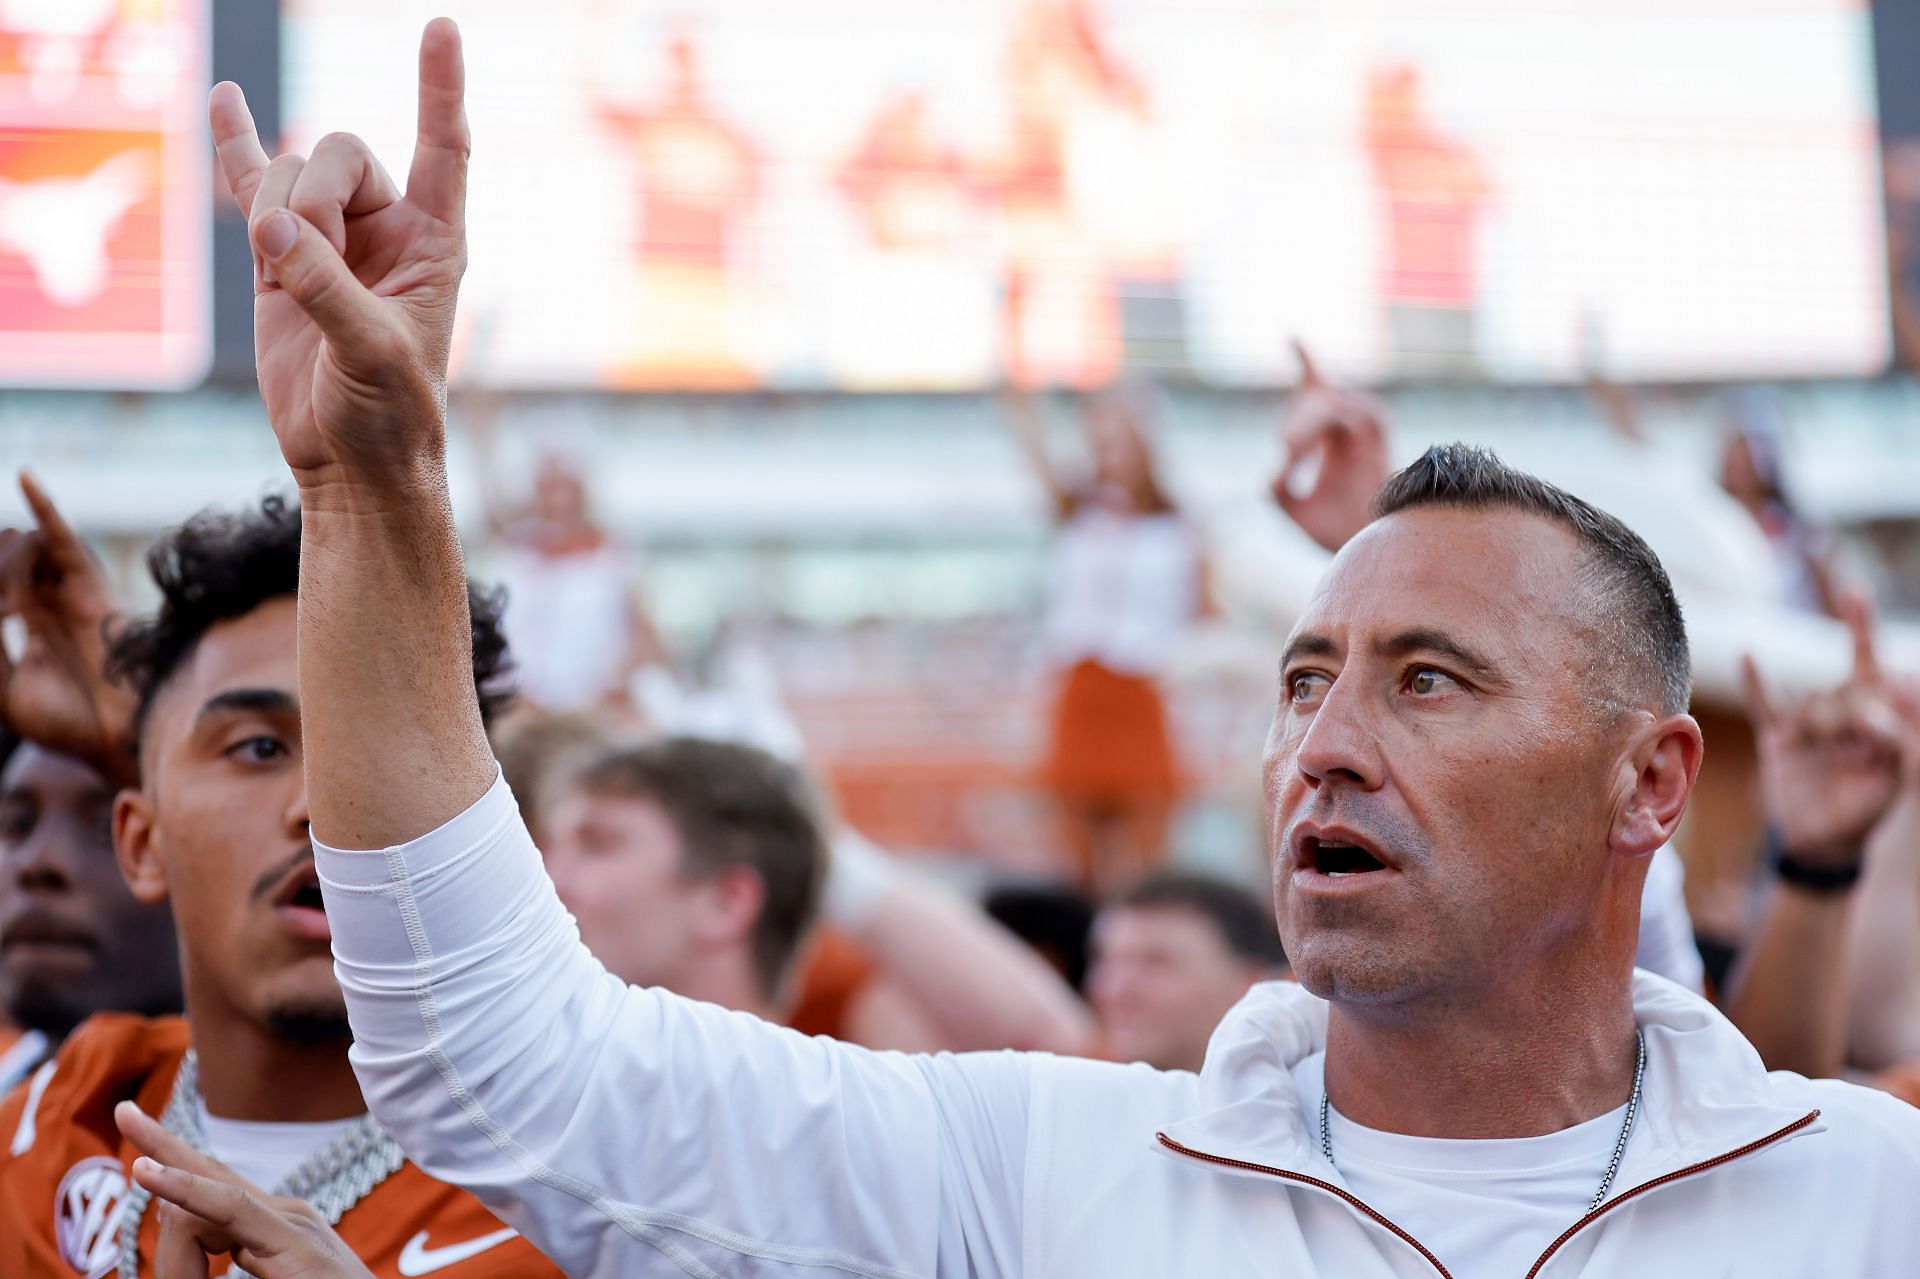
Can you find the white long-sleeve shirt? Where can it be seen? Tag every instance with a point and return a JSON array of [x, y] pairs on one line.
[[631, 1132]]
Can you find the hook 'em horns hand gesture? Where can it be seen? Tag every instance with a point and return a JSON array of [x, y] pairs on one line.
[[355, 281]]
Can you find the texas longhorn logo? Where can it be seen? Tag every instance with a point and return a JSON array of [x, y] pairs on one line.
[[86, 1215]]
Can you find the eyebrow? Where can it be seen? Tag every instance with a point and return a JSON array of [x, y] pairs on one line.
[[270, 701], [1308, 645], [1419, 639], [1423, 639]]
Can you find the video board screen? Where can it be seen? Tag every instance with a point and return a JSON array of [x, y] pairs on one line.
[[868, 194], [105, 193]]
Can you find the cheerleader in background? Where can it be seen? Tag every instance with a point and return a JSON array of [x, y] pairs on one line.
[[1125, 580]]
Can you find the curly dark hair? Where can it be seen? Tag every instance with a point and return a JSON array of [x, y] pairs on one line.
[[221, 565]]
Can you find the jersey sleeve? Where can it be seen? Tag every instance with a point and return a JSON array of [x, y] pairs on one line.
[[618, 1127]]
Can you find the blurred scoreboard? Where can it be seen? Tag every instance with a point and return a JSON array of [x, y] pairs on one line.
[[105, 193], [901, 194], [909, 194]]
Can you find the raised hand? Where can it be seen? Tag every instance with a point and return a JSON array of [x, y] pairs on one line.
[[1830, 763], [354, 282], [207, 1210], [56, 693], [1334, 443]]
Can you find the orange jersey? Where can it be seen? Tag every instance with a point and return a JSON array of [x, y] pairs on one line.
[[64, 1175], [837, 970]]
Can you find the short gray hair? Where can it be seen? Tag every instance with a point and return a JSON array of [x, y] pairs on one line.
[[1638, 615]]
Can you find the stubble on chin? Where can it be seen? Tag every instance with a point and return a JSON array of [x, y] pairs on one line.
[[315, 1022]]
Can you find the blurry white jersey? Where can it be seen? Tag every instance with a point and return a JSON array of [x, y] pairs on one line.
[[569, 624], [1122, 588]]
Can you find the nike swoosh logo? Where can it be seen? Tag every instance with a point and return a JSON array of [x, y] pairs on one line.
[[418, 1259]]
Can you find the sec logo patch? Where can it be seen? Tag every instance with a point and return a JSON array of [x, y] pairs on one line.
[[86, 1215]]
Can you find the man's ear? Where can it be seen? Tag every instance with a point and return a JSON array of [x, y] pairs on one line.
[[1658, 775], [731, 902], [136, 849]]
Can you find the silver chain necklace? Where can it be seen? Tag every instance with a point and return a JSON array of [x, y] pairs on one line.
[[333, 1179], [1619, 1147]]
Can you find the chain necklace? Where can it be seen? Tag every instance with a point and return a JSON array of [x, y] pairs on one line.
[[333, 1179], [1619, 1147]]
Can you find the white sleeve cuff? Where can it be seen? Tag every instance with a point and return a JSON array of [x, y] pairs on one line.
[[479, 827]]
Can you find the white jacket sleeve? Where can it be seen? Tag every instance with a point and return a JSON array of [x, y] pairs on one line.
[[628, 1131]]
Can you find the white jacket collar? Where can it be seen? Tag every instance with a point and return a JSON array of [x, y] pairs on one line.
[[1706, 1091]]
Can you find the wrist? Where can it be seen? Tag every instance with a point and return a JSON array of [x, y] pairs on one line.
[[406, 486], [1829, 867]]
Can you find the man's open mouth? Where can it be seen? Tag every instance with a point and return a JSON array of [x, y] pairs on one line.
[[301, 890], [1337, 854], [1342, 859], [300, 907]]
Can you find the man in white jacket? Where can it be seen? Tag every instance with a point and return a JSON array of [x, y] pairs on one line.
[[1481, 740]]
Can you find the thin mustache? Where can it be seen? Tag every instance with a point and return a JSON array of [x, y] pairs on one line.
[[1386, 830], [272, 879]]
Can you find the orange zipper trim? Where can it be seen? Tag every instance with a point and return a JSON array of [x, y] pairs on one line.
[[1552, 1248], [1657, 1182], [1327, 1186]]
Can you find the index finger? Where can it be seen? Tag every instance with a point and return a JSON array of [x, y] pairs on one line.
[[1754, 693], [437, 181], [236, 142], [1309, 371], [62, 543], [242, 1215], [152, 1139], [1856, 609]]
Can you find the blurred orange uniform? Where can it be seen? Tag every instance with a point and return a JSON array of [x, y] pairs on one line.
[[64, 1176]]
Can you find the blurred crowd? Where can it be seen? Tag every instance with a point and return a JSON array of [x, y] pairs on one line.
[[698, 847]]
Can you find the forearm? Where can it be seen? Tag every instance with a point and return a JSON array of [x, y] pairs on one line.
[[1789, 991], [978, 984], [506, 1060], [1883, 974], [1029, 431], [473, 1008], [391, 726]]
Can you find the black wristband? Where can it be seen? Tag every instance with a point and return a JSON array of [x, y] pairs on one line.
[[1814, 878]]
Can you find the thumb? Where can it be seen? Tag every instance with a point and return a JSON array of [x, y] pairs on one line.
[[311, 272]]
